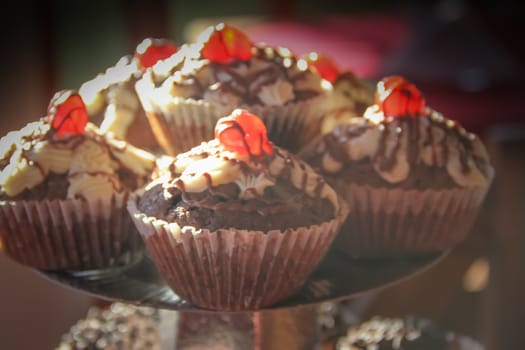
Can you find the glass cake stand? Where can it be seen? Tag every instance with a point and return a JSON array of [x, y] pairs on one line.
[[291, 324]]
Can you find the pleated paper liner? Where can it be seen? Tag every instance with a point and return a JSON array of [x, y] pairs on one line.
[[233, 269], [71, 234], [186, 123], [293, 125], [385, 222], [181, 123]]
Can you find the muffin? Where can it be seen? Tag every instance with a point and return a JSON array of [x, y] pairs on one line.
[[237, 223], [349, 96], [414, 180], [111, 99], [223, 71], [410, 333], [63, 190], [120, 327]]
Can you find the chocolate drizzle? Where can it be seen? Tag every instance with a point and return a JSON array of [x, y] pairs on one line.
[[282, 199], [418, 133], [40, 131], [247, 88]]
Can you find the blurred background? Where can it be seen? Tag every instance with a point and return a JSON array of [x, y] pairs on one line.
[[467, 57]]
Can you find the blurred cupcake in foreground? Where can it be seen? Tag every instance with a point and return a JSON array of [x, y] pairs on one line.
[[409, 333], [237, 223], [120, 327], [414, 180], [63, 189], [111, 100], [223, 71]]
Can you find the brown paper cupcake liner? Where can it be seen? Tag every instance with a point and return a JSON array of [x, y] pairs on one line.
[[180, 124], [70, 234], [183, 125], [293, 125], [233, 269], [386, 222]]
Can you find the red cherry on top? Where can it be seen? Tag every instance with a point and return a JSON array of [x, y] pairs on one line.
[[224, 43], [150, 51], [323, 65], [243, 133], [397, 97], [67, 113]]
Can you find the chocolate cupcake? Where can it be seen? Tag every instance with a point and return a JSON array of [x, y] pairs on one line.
[[63, 189], [112, 102], [410, 333], [237, 223], [414, 180], [223, 71]]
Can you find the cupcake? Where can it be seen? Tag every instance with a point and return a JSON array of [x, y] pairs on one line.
[[223, 71], [414, 180], [63, 189], [237, 223], [120, 327], [349, 96], [111, 99], [410, 333]]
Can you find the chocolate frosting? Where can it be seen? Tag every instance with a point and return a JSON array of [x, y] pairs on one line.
[[271, 77], [208, 187], [399, 151]]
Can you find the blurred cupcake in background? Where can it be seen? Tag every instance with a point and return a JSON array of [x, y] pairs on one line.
[[112, 101], [223, 71], [349, 96], [63, 189], [413, 179]]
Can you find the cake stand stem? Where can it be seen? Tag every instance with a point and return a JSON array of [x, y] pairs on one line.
[[293, 329]]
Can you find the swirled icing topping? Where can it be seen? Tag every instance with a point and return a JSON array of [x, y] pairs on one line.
[[240, 170], [224, 68], [62, 146], [111, 95], [348, 99], [411, 136]]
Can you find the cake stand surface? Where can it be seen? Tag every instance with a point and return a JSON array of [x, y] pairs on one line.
[[291, 324], [337, 277]]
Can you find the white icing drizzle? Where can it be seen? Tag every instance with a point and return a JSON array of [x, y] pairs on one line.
[[210, 165], [91, 165], [120, 112], [93, 91]]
